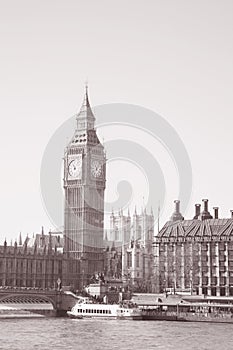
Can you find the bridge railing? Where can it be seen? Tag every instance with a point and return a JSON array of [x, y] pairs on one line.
[[29, 290]]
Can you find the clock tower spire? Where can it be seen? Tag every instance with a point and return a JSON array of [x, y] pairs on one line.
[[84, 185], [85, 118]]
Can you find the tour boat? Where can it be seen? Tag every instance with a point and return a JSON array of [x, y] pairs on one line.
[[85, 309]]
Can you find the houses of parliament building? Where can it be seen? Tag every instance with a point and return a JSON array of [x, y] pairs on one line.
[[194, 254]]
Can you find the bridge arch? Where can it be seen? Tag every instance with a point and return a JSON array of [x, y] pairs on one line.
[[27, 299]]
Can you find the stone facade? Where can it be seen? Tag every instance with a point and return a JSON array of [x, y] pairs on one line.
[[130, 256], [84, 185], [38, 263], [30, 267], [195, 255]]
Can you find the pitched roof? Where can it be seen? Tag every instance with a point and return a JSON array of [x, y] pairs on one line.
[[218, 228]]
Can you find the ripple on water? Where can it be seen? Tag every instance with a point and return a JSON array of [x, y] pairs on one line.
[[92, 334]]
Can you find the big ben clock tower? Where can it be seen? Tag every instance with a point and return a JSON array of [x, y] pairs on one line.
[[84, 185]]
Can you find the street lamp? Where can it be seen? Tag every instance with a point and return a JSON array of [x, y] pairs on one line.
[[58, 284], [82, 268]]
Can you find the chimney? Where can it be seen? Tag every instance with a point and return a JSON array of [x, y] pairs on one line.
[[197, 211], [177, 216], [205, 214], [205, 201], [177, 206], [215, 212], [232, 214]]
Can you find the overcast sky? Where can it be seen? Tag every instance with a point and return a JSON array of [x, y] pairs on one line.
[[173, 57]]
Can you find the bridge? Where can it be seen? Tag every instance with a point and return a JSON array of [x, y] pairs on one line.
[[43, 301]]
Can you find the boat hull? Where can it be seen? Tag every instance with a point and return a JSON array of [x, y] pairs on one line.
[[69, 314], [201, 316], [134, 317]]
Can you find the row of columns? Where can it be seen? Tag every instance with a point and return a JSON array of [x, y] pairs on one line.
[[170, 263], [25, 275]]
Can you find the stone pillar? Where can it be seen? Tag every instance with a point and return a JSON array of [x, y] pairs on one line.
[[156, 273], [227, 286], [191, 262], [182, 272], [24, 272], [49, 272], [141, 264], [133, 264], [200, 269], [14, 272], [123, 261], [34, 273], [55, 272], [4, 271], [166, 265], [174, 265], [209, 268], [64, 274], [217, 269], [43, 283]]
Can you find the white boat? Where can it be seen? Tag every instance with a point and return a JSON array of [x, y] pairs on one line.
[[86, 309]]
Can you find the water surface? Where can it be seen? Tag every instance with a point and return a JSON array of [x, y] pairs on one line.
[[92, 334]]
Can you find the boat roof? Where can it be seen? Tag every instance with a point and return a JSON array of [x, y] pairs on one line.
[[189, 304]]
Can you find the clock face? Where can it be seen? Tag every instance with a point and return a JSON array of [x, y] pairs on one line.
[[75, 168], [96, 168]]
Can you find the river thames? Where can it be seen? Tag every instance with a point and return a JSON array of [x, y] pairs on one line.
[[92, 334]]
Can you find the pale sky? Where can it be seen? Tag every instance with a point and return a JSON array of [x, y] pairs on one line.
[[172, 57]]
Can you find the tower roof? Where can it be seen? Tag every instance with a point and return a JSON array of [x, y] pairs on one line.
[[85, 112], [85, 132]]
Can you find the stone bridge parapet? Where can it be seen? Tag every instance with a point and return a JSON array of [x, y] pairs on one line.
[[60, 300]]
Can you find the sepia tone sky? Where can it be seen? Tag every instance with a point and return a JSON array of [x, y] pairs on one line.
[[173, 57]]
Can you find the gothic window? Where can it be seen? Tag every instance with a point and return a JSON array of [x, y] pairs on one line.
[[129, 260], [138, 259], [116, 234], [139, 232]]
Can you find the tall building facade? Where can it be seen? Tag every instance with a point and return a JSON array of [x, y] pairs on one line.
[[131, 255], [196, 254], [84, 185]]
